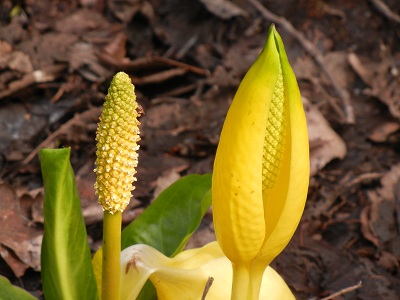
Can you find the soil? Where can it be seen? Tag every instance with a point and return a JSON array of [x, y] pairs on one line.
[[186, 59]]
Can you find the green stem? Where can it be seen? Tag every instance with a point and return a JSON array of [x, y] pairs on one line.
[[111, 255], [241, 285], [256, 276], [246, 282]]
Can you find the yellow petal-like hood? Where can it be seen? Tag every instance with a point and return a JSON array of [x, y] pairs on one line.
[[237, 180], [261, 169], [184, 277]]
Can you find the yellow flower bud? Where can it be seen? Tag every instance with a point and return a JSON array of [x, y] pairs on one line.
[[117, 136], [261, 169]]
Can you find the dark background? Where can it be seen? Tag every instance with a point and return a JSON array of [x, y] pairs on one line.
[[186, 59]]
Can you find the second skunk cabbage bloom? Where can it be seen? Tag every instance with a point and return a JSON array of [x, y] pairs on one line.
[[117, 137], [261, 170], [186, 275]]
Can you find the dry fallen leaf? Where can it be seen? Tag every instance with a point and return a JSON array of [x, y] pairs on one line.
[[325, 144], [126, 10], [223, 9], [165, 180], [382, 133], [82, 22], [382, 77], [84, 60], [337, 66], [381, 216], [20, 242]]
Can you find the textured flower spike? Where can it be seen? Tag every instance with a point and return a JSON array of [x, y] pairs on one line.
[[117, 137], [261, 169]]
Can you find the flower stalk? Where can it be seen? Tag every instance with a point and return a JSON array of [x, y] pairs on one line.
[[111, 255], [241, 283], [117, 158]]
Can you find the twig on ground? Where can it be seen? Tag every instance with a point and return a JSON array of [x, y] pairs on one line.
[[207, 287], [159, 77], [172, 62], [385, 10], [363, 178], [344, 291], [39, 76], [80, 119], [314, 52], [146, 62]]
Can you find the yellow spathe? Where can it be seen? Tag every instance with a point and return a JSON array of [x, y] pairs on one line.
[[184, 277], [261, 170]]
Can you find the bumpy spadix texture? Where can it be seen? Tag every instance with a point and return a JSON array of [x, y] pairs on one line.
[[275, 135], [117, 137], [261, 169]]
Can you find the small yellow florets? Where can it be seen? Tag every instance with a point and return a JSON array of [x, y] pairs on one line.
[[117, 137], [275, 138]]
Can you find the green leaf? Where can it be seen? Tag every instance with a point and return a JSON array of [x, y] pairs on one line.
[[173, 217], [9, 291], [148, 292], [67, 271]]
